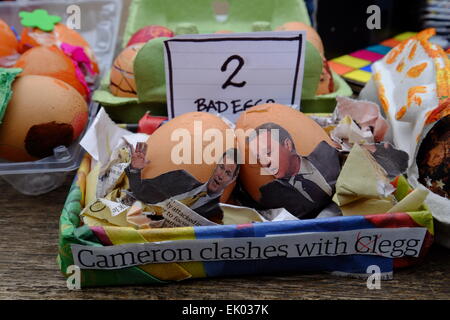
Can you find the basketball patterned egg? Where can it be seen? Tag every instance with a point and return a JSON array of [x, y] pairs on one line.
[[122, 82], [8, 46], [51, 62], [148, 33]]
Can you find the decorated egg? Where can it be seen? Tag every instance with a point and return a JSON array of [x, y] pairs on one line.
[[51, 62], [122, 82], [290, 161], [433, 158], [311, 34], [8, 46], [43, 113], [195, 142], [149, 32], [32, 37]]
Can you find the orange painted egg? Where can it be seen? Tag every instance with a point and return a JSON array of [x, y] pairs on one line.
[[32, 37], [9, 46], [51, 62]]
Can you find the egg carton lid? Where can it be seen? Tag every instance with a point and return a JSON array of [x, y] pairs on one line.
[[99, 22]]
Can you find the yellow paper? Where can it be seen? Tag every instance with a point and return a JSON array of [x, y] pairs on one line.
[[367, 206], [91, 185], [99, 210], [362, 186], [412, 202], [239, 215]]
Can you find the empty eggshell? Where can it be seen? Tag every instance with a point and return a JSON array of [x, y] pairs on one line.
[[163, 142], [305, 133]]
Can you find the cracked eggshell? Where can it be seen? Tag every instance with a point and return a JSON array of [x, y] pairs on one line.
[[305, 132], [163, 142]]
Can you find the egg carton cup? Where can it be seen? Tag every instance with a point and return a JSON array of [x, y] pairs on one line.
[[99, 22]]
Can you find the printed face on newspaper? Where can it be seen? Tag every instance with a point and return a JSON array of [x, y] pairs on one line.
[[180, 188], [302, 185]]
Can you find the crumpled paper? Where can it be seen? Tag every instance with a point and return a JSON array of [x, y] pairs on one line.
[[357, 121], [362, 186], [108, 145], [7, 77], [412, 84]]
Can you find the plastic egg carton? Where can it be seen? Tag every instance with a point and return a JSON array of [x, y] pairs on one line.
[[99, 25]]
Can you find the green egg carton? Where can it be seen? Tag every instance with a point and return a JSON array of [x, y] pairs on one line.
[[184, 16]]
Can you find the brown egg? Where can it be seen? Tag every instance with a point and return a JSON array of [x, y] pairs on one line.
[[8, 45], [51, 62], [223, 31], [305, 132], [43, 113], [311, 34], [326, 82], [164, 153], [122, 82]]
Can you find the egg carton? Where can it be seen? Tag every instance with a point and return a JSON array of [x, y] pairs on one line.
[[99, 25]]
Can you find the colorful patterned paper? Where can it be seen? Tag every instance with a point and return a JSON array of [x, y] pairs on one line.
[[356, 67]]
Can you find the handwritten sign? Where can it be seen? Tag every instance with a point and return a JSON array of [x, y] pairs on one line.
[[228, 73]]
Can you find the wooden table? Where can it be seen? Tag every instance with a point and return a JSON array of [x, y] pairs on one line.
[[28, 268]]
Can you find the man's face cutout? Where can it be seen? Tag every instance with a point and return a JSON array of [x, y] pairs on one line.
[[271, 154], [223, 175]]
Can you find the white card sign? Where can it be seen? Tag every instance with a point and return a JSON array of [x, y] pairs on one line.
[[226, 74]]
